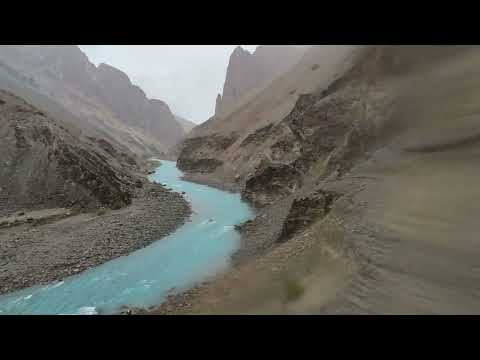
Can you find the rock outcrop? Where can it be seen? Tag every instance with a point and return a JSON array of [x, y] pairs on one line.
[[198, 154], [321, 136], [47, 164], [270, 183], [305, 211]]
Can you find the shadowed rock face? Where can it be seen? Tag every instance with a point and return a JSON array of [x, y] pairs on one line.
[[305, 211], [45, 164], [198, 154], [328, 130], [270, 183]]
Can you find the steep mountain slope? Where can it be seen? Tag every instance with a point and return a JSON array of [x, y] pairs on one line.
[[131, 105], [248, 72], [360, 190], [47, 163], [101, 98], [319, 66]]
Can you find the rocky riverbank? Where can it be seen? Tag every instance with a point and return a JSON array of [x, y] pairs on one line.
[[212, 181], [258, 236], [37, 252]]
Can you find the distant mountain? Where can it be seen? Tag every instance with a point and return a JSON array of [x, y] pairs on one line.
[[186, 124], [101, 98], [247, 71], [131, 105]]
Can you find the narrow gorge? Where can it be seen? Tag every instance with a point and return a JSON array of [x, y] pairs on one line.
[[329, 179]]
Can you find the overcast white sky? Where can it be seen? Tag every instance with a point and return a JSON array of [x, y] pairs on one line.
[[187, 77]]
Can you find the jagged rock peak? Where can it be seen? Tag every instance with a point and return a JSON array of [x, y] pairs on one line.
[[240, 51], [218, 104], [247, 71]]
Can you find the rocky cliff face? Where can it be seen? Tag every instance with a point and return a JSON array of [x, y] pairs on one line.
[[47, 163], [102, 97], [247, 71]]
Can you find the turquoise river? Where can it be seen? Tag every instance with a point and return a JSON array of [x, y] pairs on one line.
[[197, 250]]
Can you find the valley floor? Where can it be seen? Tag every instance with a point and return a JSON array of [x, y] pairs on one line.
[[49, 245]]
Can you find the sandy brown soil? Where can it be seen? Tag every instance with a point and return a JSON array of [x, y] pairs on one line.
[[426, 237]]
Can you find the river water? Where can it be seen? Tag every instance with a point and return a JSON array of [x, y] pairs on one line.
[[197, 250]]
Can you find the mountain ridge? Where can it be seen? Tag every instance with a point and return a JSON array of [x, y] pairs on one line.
[[103, 96]]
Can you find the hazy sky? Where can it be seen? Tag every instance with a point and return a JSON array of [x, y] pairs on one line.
[[187, 77]]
